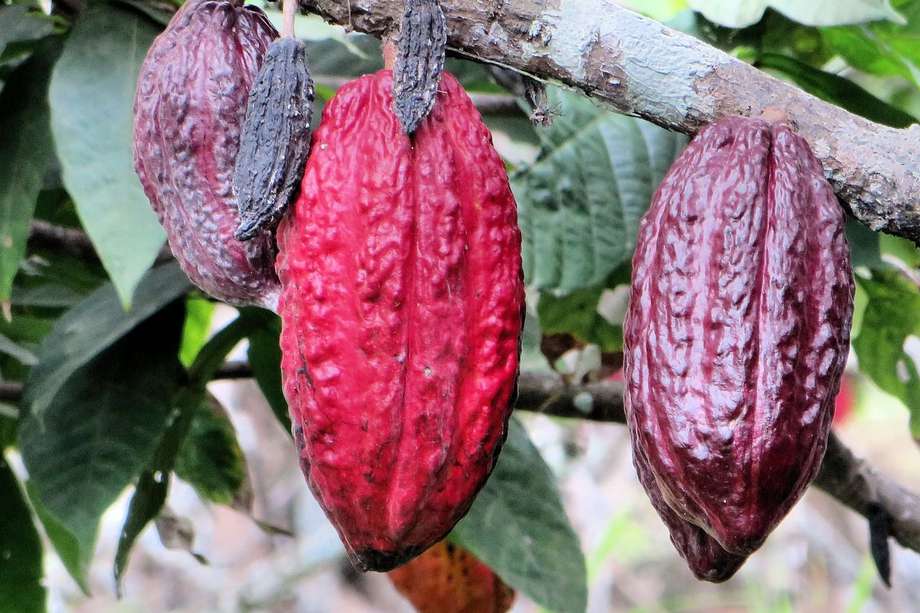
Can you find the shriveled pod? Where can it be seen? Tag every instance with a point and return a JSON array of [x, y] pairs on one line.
[[189, 106]]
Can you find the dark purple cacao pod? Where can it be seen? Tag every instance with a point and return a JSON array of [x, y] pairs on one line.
[[401, 314], [188, 109], [737, 332], [706, 558]]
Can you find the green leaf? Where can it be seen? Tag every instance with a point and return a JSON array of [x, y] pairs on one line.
[[580, 203], [91, 96], [577, 314], [100, 430], [50, 295], [215, 351], [76, 559], [210, 458], [21, 589], [19, 22], [265, 360], [25, 152], [837, 90], [8, 420], [90, 327], [19, 26], [518, 527], [153, 483], [208, 468], [160, 13], [900, 248], [23, 355], [54, 279], [864, 245], [351, 56], [146, 503], [197, 326], [890, 316], [26, 330], [743, 13], [881, 48]]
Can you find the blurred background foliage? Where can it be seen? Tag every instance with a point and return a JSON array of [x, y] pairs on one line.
[[115, 433]]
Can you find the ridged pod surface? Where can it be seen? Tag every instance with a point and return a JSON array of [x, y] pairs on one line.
[[401, 314], [419, 61], [188, 110], [275, 138], [737, 334], [449, 579]]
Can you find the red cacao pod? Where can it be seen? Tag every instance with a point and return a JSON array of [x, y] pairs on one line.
[[449, 579], [401, 313], [188, 109], [737, 331]]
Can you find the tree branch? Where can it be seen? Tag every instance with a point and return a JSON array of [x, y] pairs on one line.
[[642, 68], [74, 242], [845, 477]]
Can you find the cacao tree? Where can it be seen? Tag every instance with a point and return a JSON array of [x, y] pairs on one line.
[[434, 271]]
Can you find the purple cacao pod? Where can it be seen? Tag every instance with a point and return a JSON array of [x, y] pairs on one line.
[[188, 111], [737, 332]]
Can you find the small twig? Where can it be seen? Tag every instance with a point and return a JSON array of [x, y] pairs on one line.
[[73, 242], [44, 235], [10, 391]]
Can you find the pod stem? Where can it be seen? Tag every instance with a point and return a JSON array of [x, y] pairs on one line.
[[389, 51], [290, 11]]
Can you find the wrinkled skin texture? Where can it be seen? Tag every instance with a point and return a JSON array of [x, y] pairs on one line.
[[190, 102], [448, 579], [419, 61], [275, 138], [401, 313], [737, 334]]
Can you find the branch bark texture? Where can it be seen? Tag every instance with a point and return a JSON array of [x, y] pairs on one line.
[[847, 478], [643, 68]]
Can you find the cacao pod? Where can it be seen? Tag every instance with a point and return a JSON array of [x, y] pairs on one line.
[[188, 109], [737, 334], [275, 138], [706, 558], [401, 312], [447, 578]]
